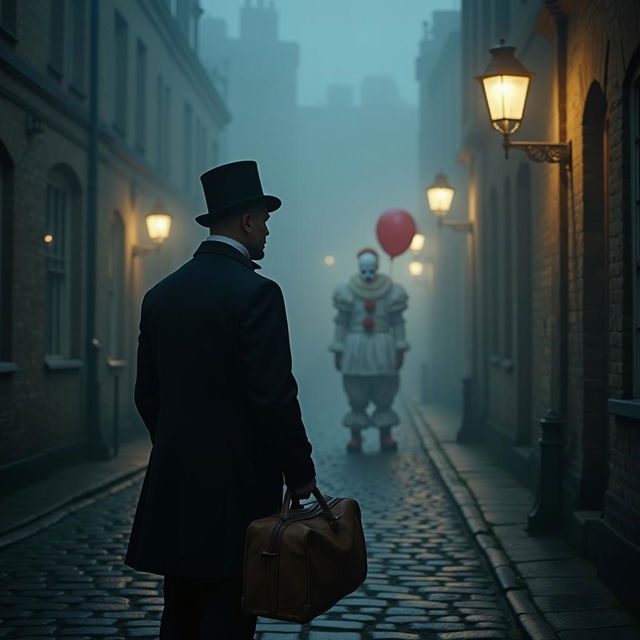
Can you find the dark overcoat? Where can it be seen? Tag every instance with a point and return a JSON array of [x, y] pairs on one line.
[[215, 389]]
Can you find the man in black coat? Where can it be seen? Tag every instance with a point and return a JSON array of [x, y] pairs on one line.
[[215, 390]]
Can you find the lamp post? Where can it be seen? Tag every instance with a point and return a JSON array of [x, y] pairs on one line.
[[505, 84]]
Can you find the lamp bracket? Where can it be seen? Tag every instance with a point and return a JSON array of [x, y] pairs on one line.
[[462, 226], [139, 250], [541, 151]]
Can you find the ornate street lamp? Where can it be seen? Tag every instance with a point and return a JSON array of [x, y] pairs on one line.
[[440, 196], [505, 84]]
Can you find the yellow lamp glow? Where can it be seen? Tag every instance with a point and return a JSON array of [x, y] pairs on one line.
[[416, 268], [158, 223], [440, 195], [505, 84], [329, 261], [417, 244], [48, 238]]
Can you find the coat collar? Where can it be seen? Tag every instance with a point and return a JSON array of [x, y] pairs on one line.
[[224, 249]]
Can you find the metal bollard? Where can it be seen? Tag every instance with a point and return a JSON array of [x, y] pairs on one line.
[[547, 510]]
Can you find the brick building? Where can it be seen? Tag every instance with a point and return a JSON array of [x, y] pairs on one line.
[[554, 301], [72, 178]]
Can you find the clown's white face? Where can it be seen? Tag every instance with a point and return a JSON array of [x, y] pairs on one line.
[[368, 265]]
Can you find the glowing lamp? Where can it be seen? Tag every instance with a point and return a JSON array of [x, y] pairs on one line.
[[416, 268], [158, 223], [417, 244], [505, 84], [440, 195]]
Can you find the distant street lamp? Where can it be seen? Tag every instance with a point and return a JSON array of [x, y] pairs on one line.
[[158, 223], [416, 268], [505, 84], [417, 244], [439, 197]]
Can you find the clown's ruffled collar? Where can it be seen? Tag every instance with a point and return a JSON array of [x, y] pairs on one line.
[[372, 290]]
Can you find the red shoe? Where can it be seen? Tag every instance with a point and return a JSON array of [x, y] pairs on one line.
[[354, 445], [388, 444]]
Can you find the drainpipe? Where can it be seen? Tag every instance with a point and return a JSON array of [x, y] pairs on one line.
[[546, 514], [96, 444]]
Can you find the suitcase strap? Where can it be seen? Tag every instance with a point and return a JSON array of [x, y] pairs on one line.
[[289, 497]]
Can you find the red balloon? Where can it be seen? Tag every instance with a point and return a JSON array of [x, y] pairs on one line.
[[395, 230]]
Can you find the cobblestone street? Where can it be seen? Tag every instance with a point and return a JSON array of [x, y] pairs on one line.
[[426, 580]]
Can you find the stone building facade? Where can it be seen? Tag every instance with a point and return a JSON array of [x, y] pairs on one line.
[[555, 256], [157, 123], [438, 69]]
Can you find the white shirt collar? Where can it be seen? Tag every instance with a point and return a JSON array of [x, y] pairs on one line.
[[231, 242]]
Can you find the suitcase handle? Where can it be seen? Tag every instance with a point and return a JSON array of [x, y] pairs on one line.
[[289, 498]]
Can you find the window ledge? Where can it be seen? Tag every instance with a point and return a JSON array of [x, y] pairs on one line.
[[624, 408], [8, 367], [61, 364]]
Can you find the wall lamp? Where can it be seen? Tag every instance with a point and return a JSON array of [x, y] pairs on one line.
[[439, 197], [158, 223], [505, 84]]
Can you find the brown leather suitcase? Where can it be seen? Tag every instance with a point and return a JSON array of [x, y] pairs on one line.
[[300, 562]]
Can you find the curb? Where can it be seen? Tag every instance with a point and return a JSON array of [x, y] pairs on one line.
[[61, 510], [532, 623]]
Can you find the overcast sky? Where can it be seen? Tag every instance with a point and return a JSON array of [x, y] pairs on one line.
[[342, 41]]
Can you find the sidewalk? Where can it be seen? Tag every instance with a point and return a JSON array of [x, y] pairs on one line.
[[552, 590], [62, 492]]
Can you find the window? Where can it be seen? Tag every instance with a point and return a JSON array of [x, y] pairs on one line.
[[6, 247], [188, 147], [120, 70], [507, 270], [160, 133], [58, 257], [635, 227], [494, 273], [115, 288], [141, 95], [167, 131], [56, 37], [77, 44]]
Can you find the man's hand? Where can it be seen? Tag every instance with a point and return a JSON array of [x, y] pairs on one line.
[[305, 492], [338, 361], [399, 359]]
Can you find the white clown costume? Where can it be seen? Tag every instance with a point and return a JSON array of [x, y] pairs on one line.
[[369, 344]]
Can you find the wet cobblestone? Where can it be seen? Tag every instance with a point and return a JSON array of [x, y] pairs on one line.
[[426, 580]]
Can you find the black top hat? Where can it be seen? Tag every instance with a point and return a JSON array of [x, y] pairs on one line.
[[232, 187]]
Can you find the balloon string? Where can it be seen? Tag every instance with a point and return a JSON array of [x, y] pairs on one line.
[[391, 267]]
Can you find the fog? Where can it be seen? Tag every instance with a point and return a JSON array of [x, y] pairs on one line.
[[324, 97]]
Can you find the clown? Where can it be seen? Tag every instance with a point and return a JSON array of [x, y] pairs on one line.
[[369, 345]]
